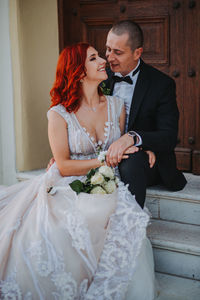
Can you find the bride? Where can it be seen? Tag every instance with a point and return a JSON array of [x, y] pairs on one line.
[[55, 244]]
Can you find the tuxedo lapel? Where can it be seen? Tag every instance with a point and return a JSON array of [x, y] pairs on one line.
[[138, 95], [111, 87]]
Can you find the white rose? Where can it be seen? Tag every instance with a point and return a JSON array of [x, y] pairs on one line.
[[97, 190], [106, 171], [97, 179], [110, 186], [102, 156]]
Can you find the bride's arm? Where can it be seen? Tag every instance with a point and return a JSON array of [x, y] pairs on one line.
[[58, 139]]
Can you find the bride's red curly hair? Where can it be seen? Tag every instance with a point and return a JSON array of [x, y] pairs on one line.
[[70, 70]]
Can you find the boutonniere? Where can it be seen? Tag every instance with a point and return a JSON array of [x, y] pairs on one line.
[[105, 90]]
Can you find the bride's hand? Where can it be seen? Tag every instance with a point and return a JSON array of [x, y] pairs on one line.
[[117, 150], [51, 162], [152, 158], [130, 150]]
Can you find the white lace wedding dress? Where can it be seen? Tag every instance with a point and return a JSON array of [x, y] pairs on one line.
[[64, 246]]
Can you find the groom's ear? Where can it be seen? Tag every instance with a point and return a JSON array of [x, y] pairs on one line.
[[137, 53]]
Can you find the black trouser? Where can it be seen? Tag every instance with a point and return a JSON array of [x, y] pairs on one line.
[[136, 172]]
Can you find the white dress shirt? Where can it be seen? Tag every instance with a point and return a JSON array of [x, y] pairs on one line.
[[125, 91]]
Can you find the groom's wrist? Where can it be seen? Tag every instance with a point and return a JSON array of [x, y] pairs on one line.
[[133, 137]]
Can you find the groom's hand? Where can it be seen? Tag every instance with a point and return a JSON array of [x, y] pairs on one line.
[[152, 158], [117, 150]]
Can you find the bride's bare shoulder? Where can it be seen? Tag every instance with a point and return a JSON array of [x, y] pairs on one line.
[[57, 113]]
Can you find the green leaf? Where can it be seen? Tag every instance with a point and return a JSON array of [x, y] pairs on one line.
[[77, 186], [90, 173], [106, 178], [105, 90], [88, 188]]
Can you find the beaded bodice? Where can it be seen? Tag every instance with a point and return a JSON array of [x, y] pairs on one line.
[[81, 143]]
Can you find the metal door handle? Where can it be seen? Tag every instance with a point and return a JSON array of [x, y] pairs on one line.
[[191, 140], [176, 4], [122, 8], [175, 73], [191, 73], [192, 4]]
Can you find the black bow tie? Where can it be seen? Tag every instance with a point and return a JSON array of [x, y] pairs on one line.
[[119, 79], [126, 78]]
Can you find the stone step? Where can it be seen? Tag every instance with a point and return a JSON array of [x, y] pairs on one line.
[[176, 248], [177, 288], [182, 206], [21, 176]]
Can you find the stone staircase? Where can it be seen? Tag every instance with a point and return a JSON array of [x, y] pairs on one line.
[[175, 235]]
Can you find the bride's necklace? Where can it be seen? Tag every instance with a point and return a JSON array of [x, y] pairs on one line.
[[89, 108], [93, 109]]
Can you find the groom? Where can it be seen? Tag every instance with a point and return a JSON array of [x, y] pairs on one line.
[[151, 114]]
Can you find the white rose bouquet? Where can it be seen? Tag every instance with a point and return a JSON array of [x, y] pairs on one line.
[[101, 180]]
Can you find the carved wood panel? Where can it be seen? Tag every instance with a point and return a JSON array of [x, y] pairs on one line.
[[156, 37], [95, 31]]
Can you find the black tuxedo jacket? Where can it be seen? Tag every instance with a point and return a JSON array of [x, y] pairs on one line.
[[154, 116]]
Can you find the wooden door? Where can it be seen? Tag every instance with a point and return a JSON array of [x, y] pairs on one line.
[[171, 44]]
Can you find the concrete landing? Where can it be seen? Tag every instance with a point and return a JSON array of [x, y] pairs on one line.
[[177, 288]]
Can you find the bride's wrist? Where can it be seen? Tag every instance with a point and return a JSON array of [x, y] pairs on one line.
[[102, 158], [100, 163]]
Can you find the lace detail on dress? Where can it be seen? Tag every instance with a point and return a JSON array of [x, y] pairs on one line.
[[81, 241], [83, 289], [48, 263], [82, 156], [9, 289], [75, 225], [127, 229], [65, 284]]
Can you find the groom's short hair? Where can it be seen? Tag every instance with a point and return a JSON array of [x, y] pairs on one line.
[[134, 31]]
